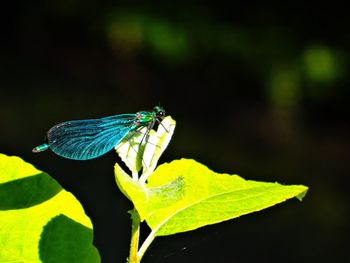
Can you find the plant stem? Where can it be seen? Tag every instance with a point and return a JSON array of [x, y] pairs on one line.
[[136, 256], [146, 244], [135, 235]]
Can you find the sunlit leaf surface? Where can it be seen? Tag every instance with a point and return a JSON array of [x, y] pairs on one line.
[[142, 150], [40, 221], [184, 195]]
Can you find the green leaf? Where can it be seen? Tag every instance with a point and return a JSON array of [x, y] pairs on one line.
[[143, 196], [195, 196], [156, 144], [40, 222], [131, 149], [136, 151]]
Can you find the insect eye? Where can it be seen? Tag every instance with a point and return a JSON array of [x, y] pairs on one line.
[[161, 113]]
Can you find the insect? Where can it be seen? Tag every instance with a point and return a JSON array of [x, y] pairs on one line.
[[88, 139]]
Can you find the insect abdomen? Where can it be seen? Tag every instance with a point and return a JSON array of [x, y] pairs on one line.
[[41, 148]]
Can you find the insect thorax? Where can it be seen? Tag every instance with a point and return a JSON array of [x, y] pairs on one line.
[[143, 118]]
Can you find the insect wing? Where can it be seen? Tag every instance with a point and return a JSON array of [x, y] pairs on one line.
[[88, 139]]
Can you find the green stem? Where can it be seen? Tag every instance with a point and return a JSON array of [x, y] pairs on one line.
[[135, 235], [146, 244], [136, 256]]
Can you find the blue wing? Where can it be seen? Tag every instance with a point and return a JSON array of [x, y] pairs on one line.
[[88, 139]]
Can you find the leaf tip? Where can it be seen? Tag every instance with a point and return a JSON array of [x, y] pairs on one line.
[[301, 196]]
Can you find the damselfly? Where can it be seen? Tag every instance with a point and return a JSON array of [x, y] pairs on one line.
[[88, 139]]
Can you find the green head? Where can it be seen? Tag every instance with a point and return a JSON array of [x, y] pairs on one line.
[[159, 111]]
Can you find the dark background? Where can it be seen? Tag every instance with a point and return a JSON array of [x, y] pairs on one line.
[[256, 89]]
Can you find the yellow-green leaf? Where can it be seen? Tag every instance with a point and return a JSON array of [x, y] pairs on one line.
[[210, 197], [184, 195], [143, 196], [40, 221], [137, 151]]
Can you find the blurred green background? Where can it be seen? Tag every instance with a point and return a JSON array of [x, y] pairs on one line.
[[257, 89]]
